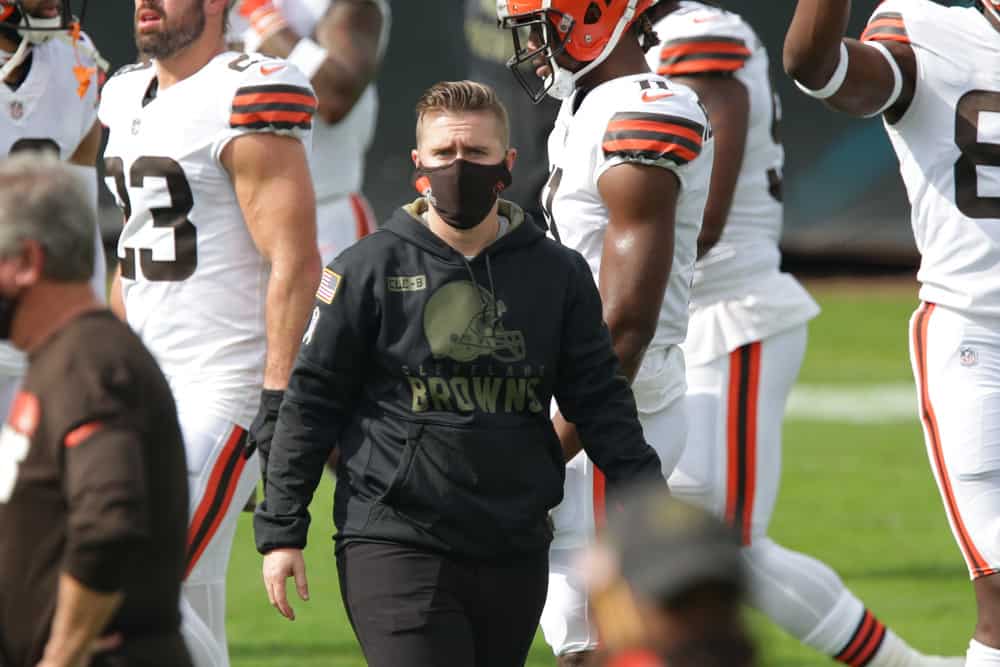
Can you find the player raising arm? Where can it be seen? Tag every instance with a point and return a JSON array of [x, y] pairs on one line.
[[747, 337], [338, 45], [943, 127]]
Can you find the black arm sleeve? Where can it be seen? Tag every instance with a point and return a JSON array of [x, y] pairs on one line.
[[318, 403], [594, 394], [106, 492]]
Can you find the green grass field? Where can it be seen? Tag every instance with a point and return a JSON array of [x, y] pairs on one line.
[[860, 497]]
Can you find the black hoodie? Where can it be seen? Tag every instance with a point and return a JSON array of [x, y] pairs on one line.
[[433, 374]]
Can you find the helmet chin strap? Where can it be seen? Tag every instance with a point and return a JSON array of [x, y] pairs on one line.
[[39, 30], [564, 81], [15, 59]]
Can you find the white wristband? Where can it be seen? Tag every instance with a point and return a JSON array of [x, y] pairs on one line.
[[835, 82], [897, 77], [308, 56]]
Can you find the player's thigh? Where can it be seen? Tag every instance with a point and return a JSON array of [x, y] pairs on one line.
[[699, 475], [565, 621], [405, 606], [958, 373], [780, 360], [666, 431], [220, 479]]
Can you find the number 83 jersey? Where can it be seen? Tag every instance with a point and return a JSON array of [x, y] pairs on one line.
[[193, 281], [948, 143]]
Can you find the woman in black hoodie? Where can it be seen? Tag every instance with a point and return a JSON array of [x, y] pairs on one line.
[[433, 353]]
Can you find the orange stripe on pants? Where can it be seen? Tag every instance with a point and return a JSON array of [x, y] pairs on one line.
[[741, 435], [222, 483], [977, 564]]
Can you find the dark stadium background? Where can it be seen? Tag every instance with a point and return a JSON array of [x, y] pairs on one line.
[[844, 200]]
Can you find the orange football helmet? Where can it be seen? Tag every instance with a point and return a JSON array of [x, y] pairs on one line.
[[585, 30]]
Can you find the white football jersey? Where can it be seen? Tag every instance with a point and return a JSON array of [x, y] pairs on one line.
[[338, 150], [639, 119], [49, 110], [739, 294], [193, 281], [702, 39], [948, 144]]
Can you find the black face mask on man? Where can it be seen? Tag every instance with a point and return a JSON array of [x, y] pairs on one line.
[[8, 306], [463, 192]]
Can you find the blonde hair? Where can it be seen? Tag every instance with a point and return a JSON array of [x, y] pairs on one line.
[[459, 97]]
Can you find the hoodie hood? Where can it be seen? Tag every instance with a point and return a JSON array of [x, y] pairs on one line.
[[407, 223]]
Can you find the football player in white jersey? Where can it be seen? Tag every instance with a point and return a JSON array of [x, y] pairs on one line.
[[631, 158], [208, 157], [747, 337], [48, 101], [338, 45], [933, 73]]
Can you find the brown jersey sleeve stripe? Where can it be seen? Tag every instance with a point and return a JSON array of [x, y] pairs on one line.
[[278, 119], [279, 106], [703, 54], [653, 150], [647, 116], [888, 26], [671, 129], [612, 139], [256, 99]]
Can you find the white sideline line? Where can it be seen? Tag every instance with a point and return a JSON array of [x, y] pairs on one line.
[[858, 404]]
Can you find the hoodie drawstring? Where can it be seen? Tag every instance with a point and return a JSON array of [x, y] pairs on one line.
[[493, 312]]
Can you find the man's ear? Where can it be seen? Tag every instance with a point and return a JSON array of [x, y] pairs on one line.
[[511, 158], [30, 264], [415, 157]]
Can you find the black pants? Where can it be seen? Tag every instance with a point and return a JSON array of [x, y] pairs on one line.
[[414, 608]]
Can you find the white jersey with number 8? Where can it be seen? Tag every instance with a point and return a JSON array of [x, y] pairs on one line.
[[948, 143]]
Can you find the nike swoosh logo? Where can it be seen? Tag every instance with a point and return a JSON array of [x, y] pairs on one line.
[[652, 97], [705, 19], [265, 70]]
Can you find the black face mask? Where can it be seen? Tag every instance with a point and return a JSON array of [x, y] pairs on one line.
[[463, 192], [8, 306]]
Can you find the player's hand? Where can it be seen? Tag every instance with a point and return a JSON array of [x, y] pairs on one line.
[[262, 429], [265, 19], [279, 565]]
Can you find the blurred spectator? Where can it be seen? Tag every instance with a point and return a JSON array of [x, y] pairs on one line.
[[667, 588]]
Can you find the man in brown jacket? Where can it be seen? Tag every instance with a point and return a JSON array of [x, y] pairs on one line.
[[93, 485]]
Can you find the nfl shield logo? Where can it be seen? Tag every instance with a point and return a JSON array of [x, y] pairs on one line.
[[967, 356], [16, 110], [136, 122]]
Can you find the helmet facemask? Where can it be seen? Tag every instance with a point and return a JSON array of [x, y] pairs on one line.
[[36, 29], [545, 30], [560, 32]]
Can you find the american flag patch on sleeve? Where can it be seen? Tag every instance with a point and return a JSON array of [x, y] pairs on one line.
[[328, 286]]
